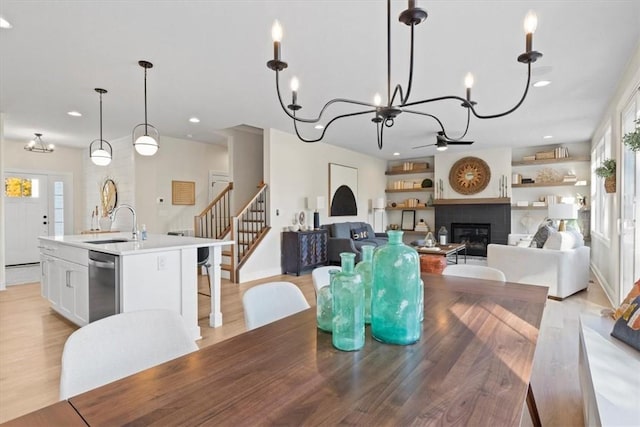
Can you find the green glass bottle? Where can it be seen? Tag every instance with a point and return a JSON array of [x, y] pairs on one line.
[[324, 305], [365, 268], [347, 294], [395, 311]]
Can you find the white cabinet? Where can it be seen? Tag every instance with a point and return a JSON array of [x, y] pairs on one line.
[[65, 283]]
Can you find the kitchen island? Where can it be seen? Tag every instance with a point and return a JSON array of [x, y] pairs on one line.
[[159, 272]]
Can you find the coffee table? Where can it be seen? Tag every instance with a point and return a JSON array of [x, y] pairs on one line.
[[446, 251]]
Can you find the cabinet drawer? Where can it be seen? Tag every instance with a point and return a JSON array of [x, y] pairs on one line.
[[65, 252]]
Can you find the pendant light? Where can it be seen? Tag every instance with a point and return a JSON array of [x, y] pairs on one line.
[[145, 136], [37, 146], [100, 151]]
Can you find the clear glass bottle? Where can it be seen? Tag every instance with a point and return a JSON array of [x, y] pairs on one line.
[[396, 293], [442, 236], [324, 305], [347, 294], [365, 268]]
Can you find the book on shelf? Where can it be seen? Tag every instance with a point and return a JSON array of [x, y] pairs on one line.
[[528, 158], [538, 204], [527, 181]]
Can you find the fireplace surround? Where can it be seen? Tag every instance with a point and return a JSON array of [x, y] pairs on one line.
[[475, 236], [497, 216]]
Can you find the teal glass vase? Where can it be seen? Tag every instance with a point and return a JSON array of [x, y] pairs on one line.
[[365, 268], [395, 302], [347, 294], [324, 306]]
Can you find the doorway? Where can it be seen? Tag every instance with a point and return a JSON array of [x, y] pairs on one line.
[[26, 216]]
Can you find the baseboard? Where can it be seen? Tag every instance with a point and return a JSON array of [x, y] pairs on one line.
[[603, 284]]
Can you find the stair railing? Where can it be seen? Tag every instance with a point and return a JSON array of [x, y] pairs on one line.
[[215, 220], [250, 226]]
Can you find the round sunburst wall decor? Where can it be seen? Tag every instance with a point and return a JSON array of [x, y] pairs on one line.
[[469, 175]]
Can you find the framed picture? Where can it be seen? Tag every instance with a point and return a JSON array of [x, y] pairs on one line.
[[343, 190], [408, 220]]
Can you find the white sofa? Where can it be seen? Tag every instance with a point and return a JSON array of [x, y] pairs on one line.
[[609, 375], [565, 272]]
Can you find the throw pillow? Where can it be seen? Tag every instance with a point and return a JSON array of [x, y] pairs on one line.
[[627, 327], [633, 293], [562, 241], [541, 236], [359, 233]]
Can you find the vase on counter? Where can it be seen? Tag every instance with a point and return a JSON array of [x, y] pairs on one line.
[[365, 268], [105, 223], [347, 295], [396, 295]]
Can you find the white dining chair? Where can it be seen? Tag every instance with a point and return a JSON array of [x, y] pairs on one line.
[[272, 301], [120, 345], [474, 272], [320, 276]]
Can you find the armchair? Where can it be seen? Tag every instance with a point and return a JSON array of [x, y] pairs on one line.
[[341, 239]]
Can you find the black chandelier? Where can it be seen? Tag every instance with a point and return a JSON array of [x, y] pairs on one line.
[[37, 146], [397, 102]]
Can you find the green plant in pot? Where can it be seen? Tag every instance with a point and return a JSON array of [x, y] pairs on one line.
[[632, 139], [607, 170]]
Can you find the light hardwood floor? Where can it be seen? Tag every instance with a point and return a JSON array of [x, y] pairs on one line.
[[32, 337]]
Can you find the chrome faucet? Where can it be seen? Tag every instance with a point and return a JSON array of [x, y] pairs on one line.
[[134, 231]]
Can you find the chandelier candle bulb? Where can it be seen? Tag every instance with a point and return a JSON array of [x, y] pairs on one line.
[[295, 84], [530, 24], [468, 83], [377, 100], [276, 35]]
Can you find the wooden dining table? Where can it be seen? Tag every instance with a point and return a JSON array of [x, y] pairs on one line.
[[472, 366]]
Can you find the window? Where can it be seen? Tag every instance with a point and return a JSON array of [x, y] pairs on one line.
[[21, 187], [58, 208], [601, 201]]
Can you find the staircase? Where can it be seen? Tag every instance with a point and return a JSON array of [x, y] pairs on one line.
[[247, 228]]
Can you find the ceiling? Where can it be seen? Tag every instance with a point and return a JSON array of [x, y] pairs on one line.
[[209, 61]]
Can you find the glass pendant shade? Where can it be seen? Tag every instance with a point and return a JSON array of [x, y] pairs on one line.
[[145, 144], [100, 154]]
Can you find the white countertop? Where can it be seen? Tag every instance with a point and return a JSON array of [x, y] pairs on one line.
[[153, 243]]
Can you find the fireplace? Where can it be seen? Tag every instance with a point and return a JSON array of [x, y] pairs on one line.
[[475, 236]]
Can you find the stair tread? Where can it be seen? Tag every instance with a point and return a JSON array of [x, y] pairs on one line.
[[225, 267]]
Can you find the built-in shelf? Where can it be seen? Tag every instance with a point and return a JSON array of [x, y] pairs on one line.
[[470, 201], [412, 171], [550, 184], [549, 161], [409, 190], [407, 208]]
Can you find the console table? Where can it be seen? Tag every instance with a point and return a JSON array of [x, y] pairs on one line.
[[304, 250]]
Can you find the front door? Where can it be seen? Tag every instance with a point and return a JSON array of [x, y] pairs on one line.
[[26, 216]]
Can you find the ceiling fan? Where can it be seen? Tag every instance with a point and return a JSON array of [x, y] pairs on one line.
[[442, 142]]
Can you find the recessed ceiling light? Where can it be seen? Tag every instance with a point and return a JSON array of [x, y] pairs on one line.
[[541, 83], [75, 113], [189, 135], [319, 127], [5, 24], [194, 120], [547, 137], [396, 154]]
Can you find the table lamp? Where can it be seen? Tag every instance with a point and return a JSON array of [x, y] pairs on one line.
[[562, 211], [316, 205]]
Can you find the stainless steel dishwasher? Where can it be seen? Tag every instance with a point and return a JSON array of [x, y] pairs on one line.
[[104, 285]]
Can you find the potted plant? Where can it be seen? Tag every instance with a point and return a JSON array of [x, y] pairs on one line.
[[632, 139], [607, 170]]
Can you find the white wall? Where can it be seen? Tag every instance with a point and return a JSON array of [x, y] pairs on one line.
[[498, 160], [176, 160], [246, 168], [294, 171], [605, 256]]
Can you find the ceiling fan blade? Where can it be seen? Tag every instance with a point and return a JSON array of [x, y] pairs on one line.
[[422, 146], [450, 142]]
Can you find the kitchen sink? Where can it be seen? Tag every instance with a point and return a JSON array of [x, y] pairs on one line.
[[104, 242]]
